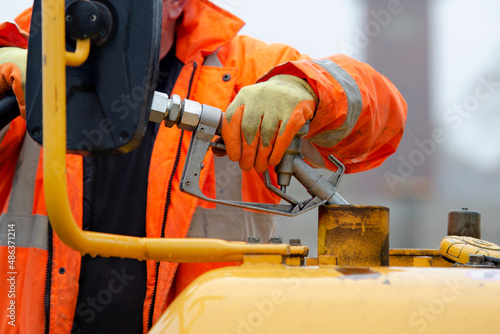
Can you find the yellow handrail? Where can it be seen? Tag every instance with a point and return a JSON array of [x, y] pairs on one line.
[[80, 55], [55, 59]]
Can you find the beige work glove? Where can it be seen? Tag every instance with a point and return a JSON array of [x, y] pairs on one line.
[[13, 74], [262, 120]]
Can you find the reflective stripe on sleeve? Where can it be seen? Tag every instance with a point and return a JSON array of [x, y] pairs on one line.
[[24, 231], [354, 105], [23, 185], [18, 226]]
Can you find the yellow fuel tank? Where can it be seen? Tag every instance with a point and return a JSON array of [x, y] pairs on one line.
[[275, 298]]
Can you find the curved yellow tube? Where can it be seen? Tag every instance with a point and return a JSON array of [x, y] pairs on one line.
[[81, 53], [55, 59]]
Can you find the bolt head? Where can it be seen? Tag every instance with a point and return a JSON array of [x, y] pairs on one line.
[[275, 240], [158, 107], [253, 240], [191, 114]]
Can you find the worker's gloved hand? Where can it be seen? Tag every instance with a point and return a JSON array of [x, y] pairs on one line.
[[13, 74], [261, 122]]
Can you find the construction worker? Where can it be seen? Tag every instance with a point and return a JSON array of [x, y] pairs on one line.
[[356, 114]]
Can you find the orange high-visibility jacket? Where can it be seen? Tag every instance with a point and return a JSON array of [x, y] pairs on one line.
[[360, 119]]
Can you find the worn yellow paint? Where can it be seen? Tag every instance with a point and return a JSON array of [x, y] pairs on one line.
[[422, 261], [357, 235], [294, 261], [277, 259], [405, 257], [328, 260], [321, 238], [274, 298]]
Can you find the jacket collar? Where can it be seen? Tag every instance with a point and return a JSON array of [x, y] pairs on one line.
[[204, 28]]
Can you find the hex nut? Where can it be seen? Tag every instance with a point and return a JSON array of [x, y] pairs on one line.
[[275, 240], [158, 107], [253, 240], [174, 111], [190, 115]]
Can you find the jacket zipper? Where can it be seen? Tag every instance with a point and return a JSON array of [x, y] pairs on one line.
[[48, 282], [167, 204]]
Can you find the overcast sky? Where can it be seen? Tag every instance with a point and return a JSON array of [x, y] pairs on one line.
[[12, 9]]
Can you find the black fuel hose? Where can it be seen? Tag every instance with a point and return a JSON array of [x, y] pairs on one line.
[[9, 110]]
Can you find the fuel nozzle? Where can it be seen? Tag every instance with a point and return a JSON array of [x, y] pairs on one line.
[[205, 122], [284, 170]]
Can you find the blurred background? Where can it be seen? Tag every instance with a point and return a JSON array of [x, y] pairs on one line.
[[443, 57]]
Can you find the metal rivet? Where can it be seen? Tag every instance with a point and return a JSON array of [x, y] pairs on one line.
[[226, 77], [69, 18], [187, 182], [62, 270], [92, 17]]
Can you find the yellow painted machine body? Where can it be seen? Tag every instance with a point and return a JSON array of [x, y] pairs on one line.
[[273, 292], [275, 298]]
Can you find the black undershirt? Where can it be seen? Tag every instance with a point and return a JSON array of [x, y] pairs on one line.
[[112, 290]]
